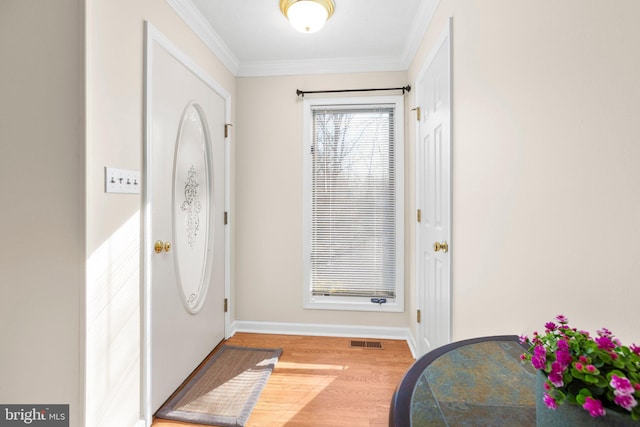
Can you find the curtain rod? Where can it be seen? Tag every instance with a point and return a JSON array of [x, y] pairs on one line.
[[302, 93]]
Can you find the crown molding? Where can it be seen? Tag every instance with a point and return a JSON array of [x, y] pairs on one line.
[[418, 29], [320, 66], [194, 19]]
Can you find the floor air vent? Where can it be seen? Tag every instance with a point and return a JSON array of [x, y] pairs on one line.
[[365, 344]]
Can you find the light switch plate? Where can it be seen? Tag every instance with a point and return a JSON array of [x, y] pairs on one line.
[[121, 181]]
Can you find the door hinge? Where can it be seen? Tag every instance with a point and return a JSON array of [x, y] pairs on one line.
[[419, 316], [417, 110], [419, 215], [226, 218], [226, 129], [226, 305]]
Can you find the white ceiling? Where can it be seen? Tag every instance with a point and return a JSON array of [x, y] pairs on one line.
[[253, 38]]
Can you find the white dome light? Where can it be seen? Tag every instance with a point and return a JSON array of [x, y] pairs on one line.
[[307, 16]]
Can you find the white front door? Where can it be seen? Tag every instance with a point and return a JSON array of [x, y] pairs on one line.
[[433, 176], [184, 241]]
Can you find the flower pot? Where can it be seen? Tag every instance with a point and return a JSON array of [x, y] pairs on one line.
[[567, 415]]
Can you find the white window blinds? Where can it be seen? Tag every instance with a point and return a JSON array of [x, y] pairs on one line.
[[353, 201]]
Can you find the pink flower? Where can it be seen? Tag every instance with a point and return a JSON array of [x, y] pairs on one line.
[[579, 366], [539, 357], [556, 379], [562, 319], [583, 359], [523, 339], [594, 407], [626, 401], [550, 326], [604, 332], [622, 386], [635, 349], [591, 369], [550, 401], [605, 343], [562, 354], [555, 376]]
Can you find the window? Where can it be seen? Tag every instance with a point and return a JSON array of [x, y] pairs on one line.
[[353, 197]]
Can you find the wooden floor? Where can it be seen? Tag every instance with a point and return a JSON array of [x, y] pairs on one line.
[[321, 381]]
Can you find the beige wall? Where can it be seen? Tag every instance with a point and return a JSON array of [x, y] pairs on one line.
[[268, 254], [42, 215], [546, 206], [546, 209], [115, 47]]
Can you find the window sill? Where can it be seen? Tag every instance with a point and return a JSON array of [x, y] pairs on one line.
[[352, 304]]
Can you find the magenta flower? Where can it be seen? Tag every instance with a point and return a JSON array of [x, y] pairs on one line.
[[537, 363], [578, 366], [556, 374], [562, 319], [556, 379], [562, 354], [626, 401], [604, 332], [594, 407], [583, 359], [621, 385], [550, 326], [591, 369], [539, 357], [605, 343], [550, 401], [635, 349], [523, 339]]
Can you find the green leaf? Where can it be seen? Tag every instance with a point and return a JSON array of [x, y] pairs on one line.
[[585, 392], [590, 379], [602, 382]]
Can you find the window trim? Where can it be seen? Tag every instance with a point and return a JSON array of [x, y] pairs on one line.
[[342, 302]]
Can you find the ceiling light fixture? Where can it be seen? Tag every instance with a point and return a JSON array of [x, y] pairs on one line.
[[307, 16]]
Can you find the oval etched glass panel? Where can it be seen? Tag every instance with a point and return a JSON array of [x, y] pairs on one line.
[[192, 209]]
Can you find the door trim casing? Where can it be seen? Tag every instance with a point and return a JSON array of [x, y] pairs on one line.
[[154, 35]]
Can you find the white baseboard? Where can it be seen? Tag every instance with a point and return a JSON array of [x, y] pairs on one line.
[[140, 423], [411, 342], [314, 329]]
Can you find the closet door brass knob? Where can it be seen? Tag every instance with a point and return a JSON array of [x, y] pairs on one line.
[[161, 246], [441, 246]]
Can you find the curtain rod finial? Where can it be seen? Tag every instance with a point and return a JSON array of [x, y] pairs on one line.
[[299, 93]]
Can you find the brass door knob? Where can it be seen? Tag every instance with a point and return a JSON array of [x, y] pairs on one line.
[[441, 246], [161, 246]]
